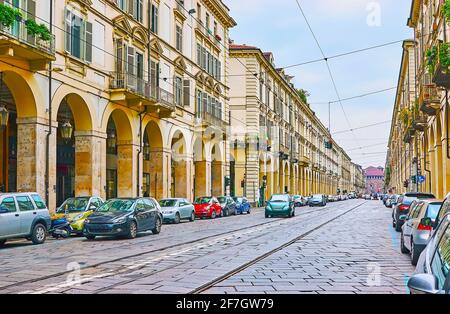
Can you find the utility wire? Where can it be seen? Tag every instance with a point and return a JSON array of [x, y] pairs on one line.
[[363, 127], [328, 67]]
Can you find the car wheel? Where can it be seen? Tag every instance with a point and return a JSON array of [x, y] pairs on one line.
[[293, 213], [157, 228], [415, 254], [403, 248], [132, 231], [213, 215], [2, 242], [267, 216], [192, 217], [248, 211], [89, 236], [177, 218], [39, 234], [398, 228]]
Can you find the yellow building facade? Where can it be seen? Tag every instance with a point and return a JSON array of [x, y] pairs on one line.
[[419, 143], [116, 99], [278, 145]]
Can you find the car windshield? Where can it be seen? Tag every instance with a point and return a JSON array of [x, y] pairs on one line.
[[317, 197], [433, 210], [222, 200], [73, 205], [238, 199], [168, 203], [279, 198], [202, 200], [116, 205]]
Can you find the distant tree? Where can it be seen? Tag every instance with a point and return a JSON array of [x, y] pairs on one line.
[[304, 94]]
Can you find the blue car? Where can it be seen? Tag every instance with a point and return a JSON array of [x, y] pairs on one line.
[[242, 205]]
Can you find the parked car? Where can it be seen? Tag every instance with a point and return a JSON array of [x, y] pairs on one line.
[[76, 210], [432, 271], [124, 217], [228, 205], [416, 230], [280, 205], [23, 215], [331, 198], [402, 207], [444, 210], [299, 201], [242, 205], [318, 200], [391, 200], [176, 209], [207, 207]]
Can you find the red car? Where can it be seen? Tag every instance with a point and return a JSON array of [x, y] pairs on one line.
[[207, 207]]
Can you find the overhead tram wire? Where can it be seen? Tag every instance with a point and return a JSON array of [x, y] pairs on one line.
[[362, 127], [328, 67]]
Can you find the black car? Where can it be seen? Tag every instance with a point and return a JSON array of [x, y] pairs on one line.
[[402, 207], [124, 217], [228, 205], [432, 271]]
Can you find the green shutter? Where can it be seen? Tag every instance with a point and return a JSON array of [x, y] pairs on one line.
[[68, 28], [88, 53]]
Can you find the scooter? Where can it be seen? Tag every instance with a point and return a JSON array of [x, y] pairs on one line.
[[60, 228]]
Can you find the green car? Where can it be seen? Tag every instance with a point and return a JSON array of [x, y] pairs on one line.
[[280, 205]]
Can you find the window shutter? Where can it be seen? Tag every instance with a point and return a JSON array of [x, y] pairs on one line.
[[186, 93], [131, 61], [131, 6], [205, 102], [68, 28], [199, 55], [88, 53]]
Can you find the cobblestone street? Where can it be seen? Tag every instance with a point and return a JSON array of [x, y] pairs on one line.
[[346, 247]]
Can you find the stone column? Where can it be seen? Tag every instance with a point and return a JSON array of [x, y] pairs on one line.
[[202, 178], [32, 158], [217, 182], [127, 169], [90, 168], [158, 168], [182, 181]]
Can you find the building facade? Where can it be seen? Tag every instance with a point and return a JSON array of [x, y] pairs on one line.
[[374, 178], [116, 99], [358, 182], [278, 144], [419, 158]]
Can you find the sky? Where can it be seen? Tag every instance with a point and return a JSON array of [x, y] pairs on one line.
[[340, 26]]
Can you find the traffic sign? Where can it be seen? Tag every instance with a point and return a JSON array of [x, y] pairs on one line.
[[421, 179]]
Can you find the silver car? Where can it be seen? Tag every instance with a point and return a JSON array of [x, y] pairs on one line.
[[23, 215], [416, 230], [432, 275], [176, 209]]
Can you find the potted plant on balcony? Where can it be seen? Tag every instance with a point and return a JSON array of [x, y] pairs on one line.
[[419, 121], [8, 15], [438, 64], [39, 30]]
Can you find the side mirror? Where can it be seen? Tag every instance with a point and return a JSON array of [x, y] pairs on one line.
[[423, 284], [92, 207], [403, 217], [427, 222]]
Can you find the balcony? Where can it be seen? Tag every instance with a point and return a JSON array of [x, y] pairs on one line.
[[15, 43], [207, 119], [304, 161], [208, 35], [134, 91], [180, 10], [430, 99], [419, 123]]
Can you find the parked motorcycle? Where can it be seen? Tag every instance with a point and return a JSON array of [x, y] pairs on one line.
[[60, 228]]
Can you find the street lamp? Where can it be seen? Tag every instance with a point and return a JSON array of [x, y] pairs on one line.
[[66, 131], [111, 141], [4, 117]]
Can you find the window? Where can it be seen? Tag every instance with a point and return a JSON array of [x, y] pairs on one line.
[[154, 19], [9, 204], [138, 10], [186, 93], [440, 264], [78, 41], [24, 203], [38, 201], [179, 38], [154, 78], [208, 21], [178, 91]]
